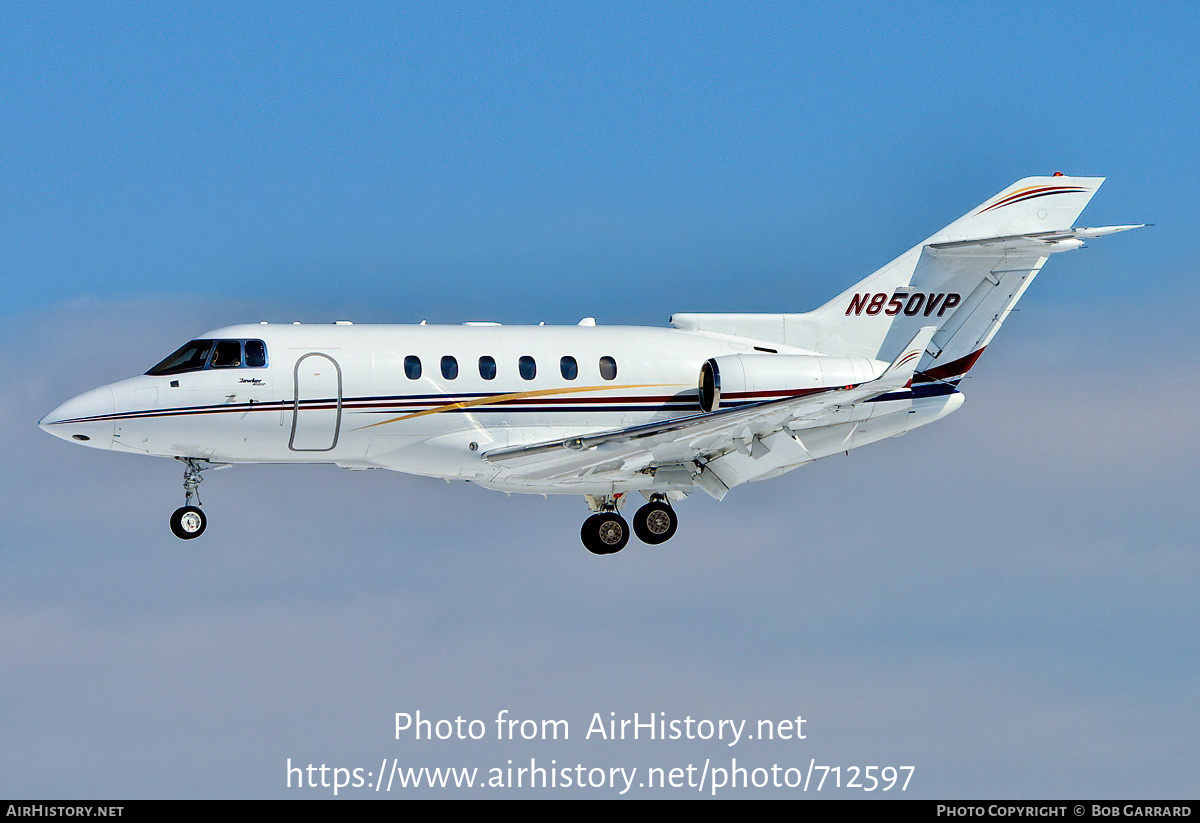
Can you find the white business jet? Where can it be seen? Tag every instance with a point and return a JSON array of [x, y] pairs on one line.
[[714, 401]]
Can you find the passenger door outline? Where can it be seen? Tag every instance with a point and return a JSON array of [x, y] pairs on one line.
[[315, 426]]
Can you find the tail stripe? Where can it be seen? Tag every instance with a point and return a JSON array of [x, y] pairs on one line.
[[1031, 193], [954, 368]]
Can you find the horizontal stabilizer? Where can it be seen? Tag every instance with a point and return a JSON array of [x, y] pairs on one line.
[[1043, 242]]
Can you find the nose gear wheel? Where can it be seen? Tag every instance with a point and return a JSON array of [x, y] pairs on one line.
[[188, 522]]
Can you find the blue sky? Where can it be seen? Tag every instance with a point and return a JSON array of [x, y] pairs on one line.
[[327, 154], [1019, 622]]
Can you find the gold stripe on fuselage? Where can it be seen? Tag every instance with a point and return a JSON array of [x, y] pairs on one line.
[[520, 395]]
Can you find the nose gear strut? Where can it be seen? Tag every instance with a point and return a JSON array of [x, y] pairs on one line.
[[189, 522]]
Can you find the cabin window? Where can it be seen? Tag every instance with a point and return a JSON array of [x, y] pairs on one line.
[[256, 353], [568, 367], [487, 367], [227, 355], [527, 367], [449, 367], [608, 368], [412, 367]]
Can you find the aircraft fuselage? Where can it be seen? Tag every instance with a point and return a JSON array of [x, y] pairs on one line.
[[344, 394]]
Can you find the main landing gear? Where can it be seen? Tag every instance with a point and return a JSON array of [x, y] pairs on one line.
[[607, 532], [189, 522], [655, 522]]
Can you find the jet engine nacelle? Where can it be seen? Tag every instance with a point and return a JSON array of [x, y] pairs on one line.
[[760, 376]]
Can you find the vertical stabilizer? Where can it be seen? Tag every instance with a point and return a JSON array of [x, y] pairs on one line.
[[964, 280], [967, 290]]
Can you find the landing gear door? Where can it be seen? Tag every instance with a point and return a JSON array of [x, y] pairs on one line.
[[317, 404]]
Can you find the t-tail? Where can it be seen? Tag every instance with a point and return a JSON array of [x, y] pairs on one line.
[[964, 280]]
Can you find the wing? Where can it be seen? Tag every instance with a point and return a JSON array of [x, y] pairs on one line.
[[676, 451]]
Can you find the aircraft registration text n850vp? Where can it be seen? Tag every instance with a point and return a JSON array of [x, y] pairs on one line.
[[911, 304], [709, 403]]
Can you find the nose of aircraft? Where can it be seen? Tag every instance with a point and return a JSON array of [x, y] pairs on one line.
[[85, 419]]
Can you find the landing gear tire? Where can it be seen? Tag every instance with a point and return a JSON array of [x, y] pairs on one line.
[[605, 533], [188, 522], [655, 523]]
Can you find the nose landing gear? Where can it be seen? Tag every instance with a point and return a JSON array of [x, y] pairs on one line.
[[188, 521]]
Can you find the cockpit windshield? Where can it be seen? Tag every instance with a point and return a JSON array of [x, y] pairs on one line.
[[189, 357], [213, 354]]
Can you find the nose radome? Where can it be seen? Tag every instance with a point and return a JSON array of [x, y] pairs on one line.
[[85, 419]]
